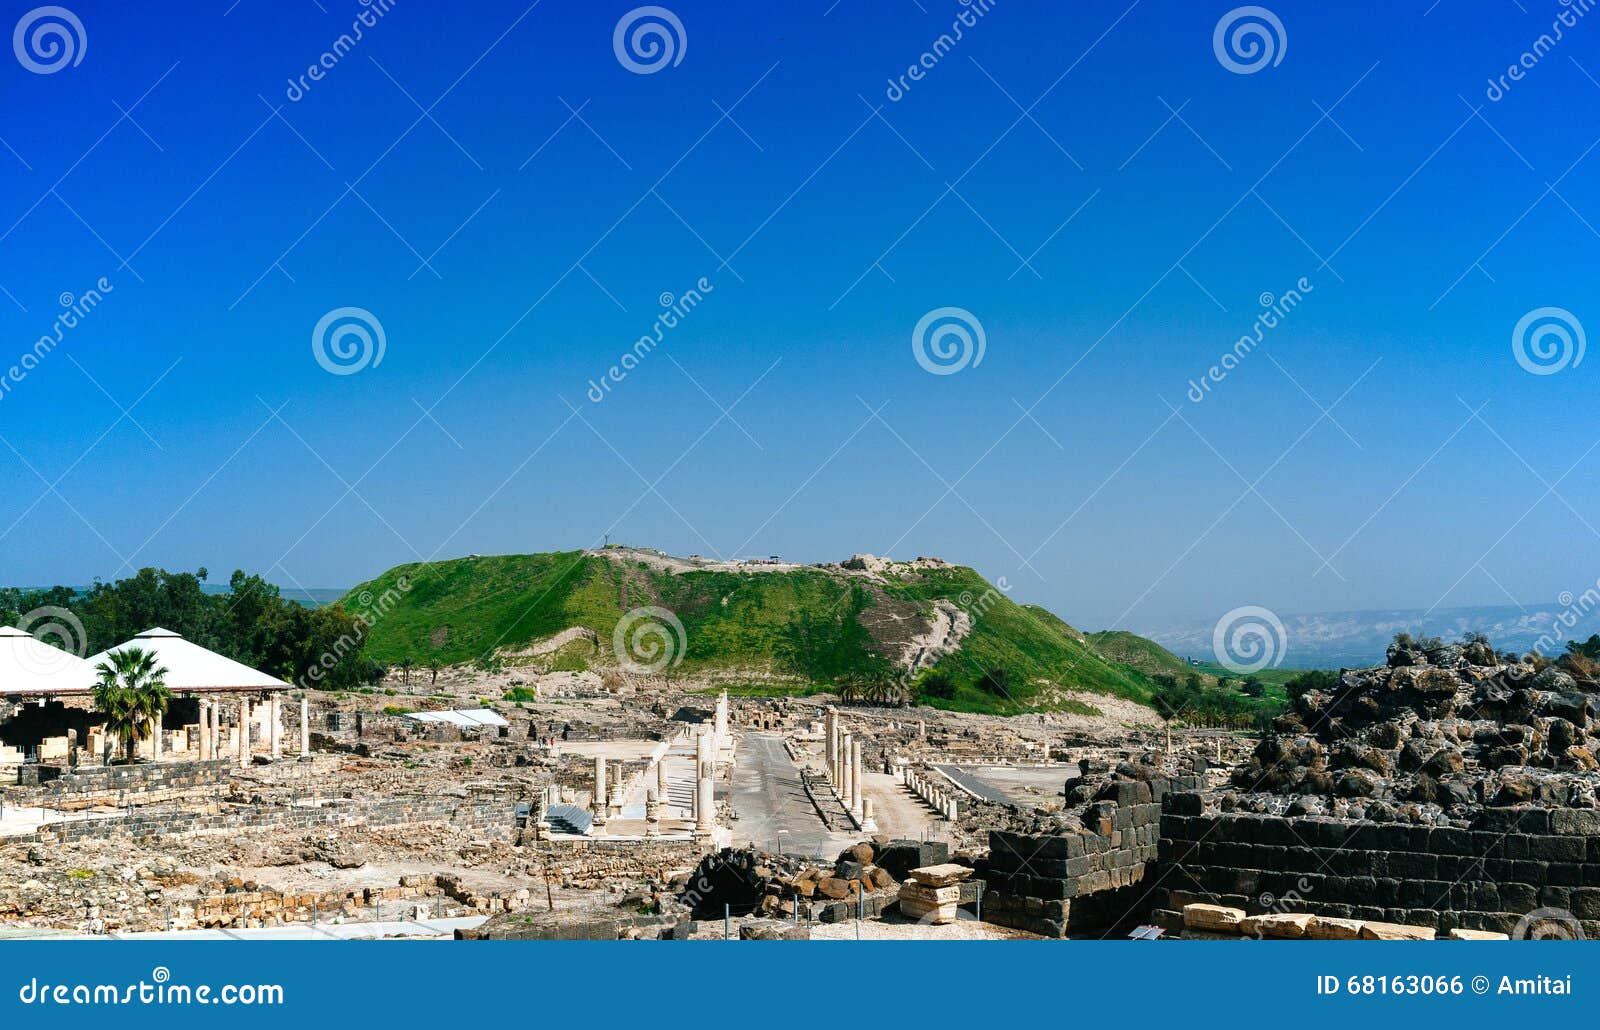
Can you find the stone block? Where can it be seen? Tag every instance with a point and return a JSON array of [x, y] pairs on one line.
[[1213, 918], [1276, 925], [1376, 931], [1329, 928]]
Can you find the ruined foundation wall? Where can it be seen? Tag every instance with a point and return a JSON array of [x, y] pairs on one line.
[[1510, 862], [1056, 884], [72, 787], [493, 818], [595, 864]]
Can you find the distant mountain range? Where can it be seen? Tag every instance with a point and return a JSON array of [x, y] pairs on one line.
[[1332, 640]]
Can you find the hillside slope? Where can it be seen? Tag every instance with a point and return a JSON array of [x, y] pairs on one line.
[[782, 626], [1145, 655]]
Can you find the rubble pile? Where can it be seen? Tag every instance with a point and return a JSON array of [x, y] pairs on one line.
[[1434, 736], [751, 882]]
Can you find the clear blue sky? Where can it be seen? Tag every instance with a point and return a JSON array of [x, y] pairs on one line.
[[827, 232]]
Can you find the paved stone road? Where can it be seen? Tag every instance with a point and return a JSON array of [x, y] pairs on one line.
[[771, 803]]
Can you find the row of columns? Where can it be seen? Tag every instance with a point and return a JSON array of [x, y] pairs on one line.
[[608, 790], [942, 800], [842, 752], [213, 741]]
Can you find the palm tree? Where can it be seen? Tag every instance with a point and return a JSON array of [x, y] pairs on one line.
[[132, 694]]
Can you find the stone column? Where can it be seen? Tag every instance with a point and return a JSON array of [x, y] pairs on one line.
[[950, 813], [155, 738], [275, 729], [722, 719], [661, 781], [216, 730], [305, 727], [600, 794], [846, 788], [652, 813], [869, 824], [244, 733], [705, 797], [828, 728], [855, 779], [204, 730]]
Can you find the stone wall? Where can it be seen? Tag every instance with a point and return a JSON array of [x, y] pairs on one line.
[[596, 863], [493, 817], [1061, 883], [1510, 862], [73, 787]]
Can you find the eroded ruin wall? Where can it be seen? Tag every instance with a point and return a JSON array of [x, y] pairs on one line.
[[1510, 862], [1061, 883]]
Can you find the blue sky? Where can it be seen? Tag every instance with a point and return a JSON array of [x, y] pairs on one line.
[[1088, 180]]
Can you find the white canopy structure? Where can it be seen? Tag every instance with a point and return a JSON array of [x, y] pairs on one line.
[[463, 717], [31, 667], [191, 667]]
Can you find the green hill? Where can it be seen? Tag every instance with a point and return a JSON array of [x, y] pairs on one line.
[[796, 629], [1145, 655]]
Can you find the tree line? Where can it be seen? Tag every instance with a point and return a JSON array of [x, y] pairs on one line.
[[252, 623]]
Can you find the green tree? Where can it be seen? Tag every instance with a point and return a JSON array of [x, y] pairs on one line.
[[132, 694]]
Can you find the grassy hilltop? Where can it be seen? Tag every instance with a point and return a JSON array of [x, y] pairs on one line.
[[782, 630]]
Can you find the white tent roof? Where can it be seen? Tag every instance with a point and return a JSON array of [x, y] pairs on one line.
[[191, 667], [31, 666], [466, 717]]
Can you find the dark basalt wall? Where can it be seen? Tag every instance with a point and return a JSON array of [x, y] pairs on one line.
[[1510, 862]]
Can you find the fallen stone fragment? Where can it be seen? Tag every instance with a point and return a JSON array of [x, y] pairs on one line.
[[1212, 917], [1277, 925], [1328, 928], [1373, 931], [1459, 934]]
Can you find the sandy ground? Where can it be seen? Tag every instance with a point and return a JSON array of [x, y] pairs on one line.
[[900, 813]]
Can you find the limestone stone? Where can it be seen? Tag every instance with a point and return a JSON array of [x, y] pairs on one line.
[[1212, 917], [1373, 931], [1277, 925], [1461, 934], [940, 875], [1328, 928]]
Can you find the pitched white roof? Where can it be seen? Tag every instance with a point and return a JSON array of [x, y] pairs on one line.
[[31, 666], [464, 717], [192, 667]]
